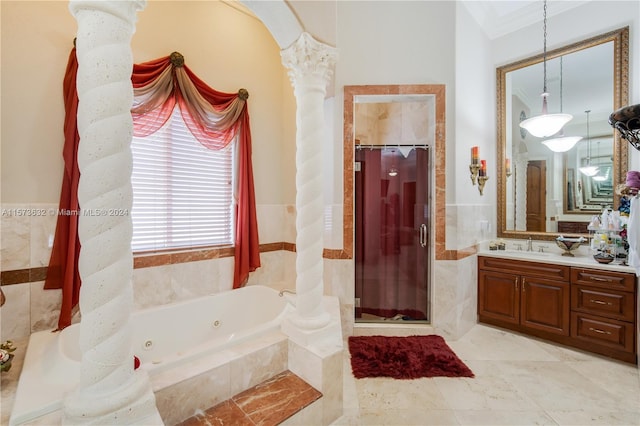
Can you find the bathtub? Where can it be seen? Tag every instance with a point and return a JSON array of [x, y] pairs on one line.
[[188, 333]]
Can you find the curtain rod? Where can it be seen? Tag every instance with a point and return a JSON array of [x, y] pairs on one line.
[[422, 146]]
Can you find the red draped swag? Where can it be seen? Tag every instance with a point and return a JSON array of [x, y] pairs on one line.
[[215, 119]]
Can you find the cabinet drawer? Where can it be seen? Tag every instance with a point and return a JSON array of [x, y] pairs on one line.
[[603, 279], [602, 331], [524, 267], [610, 303]]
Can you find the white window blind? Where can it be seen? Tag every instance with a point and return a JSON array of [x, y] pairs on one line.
[[182, 191]]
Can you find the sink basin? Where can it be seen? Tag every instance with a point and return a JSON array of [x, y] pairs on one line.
[[569, 245]]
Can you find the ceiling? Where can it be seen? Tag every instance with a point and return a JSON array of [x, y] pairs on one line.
[[500, 17]]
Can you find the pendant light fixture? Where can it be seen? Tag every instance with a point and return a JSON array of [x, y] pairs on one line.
[[562, 143], [599, 177], [588, 170], [393, 171], [546, 124]]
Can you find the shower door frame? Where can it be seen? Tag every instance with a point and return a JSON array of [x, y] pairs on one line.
[[437, 123], [425, 240]]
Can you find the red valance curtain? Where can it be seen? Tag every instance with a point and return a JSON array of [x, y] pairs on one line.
[[215, 119]]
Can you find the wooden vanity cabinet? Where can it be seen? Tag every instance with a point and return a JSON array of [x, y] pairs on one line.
[[603, 311], [588, 308], [525, 296]]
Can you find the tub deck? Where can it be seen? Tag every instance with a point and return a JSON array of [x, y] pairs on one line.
[[40, 390], [216, 377], [39, 393]]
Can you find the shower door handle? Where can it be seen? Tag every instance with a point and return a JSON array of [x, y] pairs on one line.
[[423, 235]]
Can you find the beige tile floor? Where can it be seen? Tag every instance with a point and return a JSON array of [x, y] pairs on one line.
[[519, 381]]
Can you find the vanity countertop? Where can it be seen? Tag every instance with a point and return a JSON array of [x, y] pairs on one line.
[[582, 259]]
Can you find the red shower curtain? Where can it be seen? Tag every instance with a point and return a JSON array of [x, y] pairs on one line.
[[389, 261]]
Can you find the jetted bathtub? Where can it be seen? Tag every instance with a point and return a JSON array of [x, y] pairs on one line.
[[164, 337]]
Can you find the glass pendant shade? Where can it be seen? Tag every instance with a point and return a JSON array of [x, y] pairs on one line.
[[545, 125], [589, 170], [562, 144]]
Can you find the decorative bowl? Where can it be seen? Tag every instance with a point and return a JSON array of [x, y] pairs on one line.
[[569, 244], [603, 258]]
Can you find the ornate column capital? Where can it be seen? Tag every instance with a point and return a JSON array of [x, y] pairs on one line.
[[307, 57], [125, 10]]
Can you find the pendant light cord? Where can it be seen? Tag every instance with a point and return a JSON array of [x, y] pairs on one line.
[[544, 54], [588, 140], [560, 84]]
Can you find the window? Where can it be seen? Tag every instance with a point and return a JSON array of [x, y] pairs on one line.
[[182, 191]]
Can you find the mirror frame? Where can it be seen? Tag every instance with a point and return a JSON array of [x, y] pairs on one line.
[[620, 38]]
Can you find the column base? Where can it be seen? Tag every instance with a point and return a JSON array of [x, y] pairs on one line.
[[305, 336], [134, 404]]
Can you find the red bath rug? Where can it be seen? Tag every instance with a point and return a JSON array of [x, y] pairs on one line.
[[409, 357]]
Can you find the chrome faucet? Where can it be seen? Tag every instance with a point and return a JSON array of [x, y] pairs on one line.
[[284, 290], [529, 244]]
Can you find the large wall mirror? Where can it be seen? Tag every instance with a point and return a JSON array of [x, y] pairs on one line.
[[543, 193]]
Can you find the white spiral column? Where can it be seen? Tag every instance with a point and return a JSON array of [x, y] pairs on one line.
[[110, 390], [310, 67]]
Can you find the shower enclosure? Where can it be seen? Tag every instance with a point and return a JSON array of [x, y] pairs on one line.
[[392, 233]]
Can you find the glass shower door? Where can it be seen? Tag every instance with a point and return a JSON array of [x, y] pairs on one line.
[[392, 234]]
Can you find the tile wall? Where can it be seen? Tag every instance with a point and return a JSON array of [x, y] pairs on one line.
[[170, 278], [25, 240]]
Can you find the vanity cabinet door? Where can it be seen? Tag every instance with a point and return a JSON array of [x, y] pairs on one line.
[[545, 305], [499, 296]]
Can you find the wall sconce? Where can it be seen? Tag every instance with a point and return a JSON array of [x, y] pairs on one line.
[[507, 167], [478, 169], [482, 176], [474, 167]]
